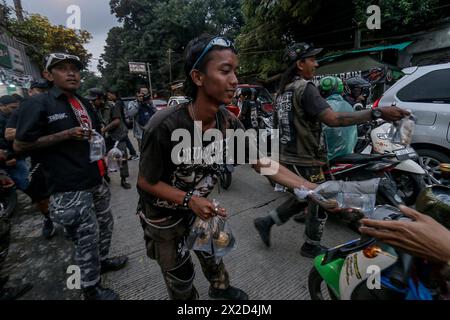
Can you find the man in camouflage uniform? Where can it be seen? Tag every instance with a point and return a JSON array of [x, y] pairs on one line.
[[61, 122]]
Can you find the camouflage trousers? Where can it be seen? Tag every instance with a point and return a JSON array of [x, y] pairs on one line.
[[5, 228], [165, 243], [88, 220]]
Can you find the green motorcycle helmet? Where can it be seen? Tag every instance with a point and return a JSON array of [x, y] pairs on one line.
[[331, 85], [434, 201]]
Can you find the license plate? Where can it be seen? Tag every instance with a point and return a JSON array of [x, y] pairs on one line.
[[407, 153]]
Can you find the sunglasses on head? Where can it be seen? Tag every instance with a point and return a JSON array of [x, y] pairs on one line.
[[59, 56], [305, 47], [217, 41]]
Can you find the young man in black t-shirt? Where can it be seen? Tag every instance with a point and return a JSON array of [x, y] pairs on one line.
[[58, 125], [173, 191]]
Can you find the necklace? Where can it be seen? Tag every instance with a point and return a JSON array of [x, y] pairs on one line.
[[196, 129]]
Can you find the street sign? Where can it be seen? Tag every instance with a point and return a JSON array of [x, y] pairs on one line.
[[5, 59], [177, 86], [137, 67]]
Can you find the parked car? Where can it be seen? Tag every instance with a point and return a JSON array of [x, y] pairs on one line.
[[426, 92], [176, 100], [262, 95], [159, 104], [127, 100]]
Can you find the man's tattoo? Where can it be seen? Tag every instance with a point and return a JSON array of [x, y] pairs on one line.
[[42, 142], [350, 118]]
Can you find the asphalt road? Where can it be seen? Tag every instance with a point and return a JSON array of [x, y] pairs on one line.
[[276, 273]]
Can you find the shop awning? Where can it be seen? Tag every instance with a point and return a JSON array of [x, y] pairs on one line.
[[350, 65], [399, 46]]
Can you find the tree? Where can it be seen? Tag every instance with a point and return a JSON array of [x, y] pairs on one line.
[[271, 25], [400, 16], [43, 38], [89, 80], [151, 28]]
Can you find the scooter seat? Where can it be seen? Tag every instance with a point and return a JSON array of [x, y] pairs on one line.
[[358, 158]]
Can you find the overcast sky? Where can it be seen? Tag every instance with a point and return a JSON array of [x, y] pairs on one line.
[[95, 18]]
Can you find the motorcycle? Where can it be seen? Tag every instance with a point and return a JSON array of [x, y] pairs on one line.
[[408, 174], [359, 167], [366, 269]]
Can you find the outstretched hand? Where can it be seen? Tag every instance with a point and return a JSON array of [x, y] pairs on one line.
[[393, 113], [423, 237]]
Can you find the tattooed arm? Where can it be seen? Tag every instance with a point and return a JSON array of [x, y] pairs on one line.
[[76, 133], [344, 119], [114, 124]]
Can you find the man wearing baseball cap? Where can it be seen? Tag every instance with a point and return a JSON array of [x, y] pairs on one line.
[[299, 113], [38, 87], [58, 125]]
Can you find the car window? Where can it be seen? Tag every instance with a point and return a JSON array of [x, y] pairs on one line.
[[264, 96], [433, 87]]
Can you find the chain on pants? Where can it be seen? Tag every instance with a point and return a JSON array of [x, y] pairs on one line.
[[165, 244]]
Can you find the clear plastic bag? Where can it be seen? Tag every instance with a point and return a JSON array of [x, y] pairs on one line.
[[358, 195], [279, 188], [97, 147], [213, 236], [115, 158], [402, 131]]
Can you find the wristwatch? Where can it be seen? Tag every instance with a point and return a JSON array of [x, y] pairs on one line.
[[376, 114]]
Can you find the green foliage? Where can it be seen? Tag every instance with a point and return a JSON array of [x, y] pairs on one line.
[[271, 25], [151, 28], [89, 80], [44, 37], [398, 16]]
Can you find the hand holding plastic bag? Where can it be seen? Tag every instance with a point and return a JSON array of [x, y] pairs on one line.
[[97, 146], [356, 195], [213, 236], [403, 130], [115, 158]]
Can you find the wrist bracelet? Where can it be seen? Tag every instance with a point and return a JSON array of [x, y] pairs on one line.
[[187, 198]]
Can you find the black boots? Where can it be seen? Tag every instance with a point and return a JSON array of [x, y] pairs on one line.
[[312, 251], [97, 292], [230, 293], [125, 184], [48, 229], [113, 264], [263, 225]]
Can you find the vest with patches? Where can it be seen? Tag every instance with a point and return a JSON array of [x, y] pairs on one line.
[[301, 141]]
